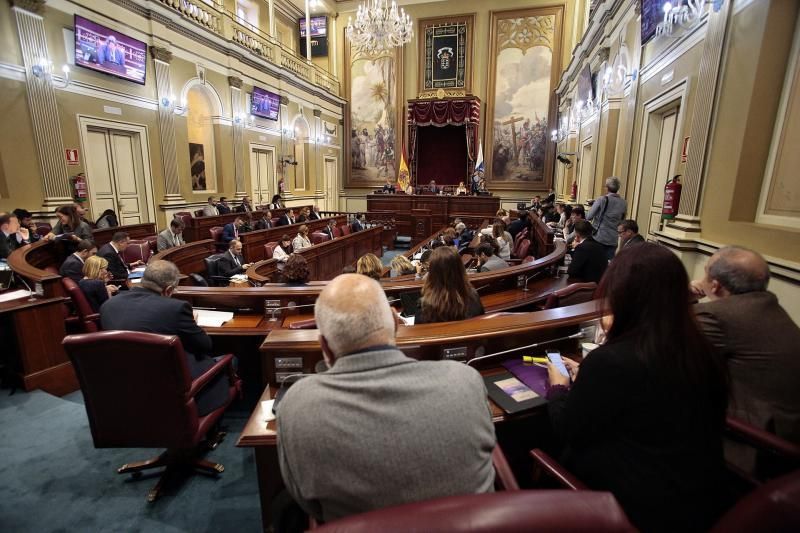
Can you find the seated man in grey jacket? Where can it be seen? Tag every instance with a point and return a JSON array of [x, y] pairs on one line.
[[488, 260], [379, 428]]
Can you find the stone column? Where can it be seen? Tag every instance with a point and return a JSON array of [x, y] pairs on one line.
[[166, 126], [688, 219], [42, 103], [319, 171], [239, 121]]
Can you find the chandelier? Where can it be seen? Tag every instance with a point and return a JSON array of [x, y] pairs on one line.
[[378, 27]]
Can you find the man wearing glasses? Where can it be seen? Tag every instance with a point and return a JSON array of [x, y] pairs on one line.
[[149, 308]]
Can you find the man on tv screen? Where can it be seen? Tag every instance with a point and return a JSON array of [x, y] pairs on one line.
[[110, 54]]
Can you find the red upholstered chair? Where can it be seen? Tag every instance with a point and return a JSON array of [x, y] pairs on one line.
[[184, 216], [137, 250], [498, 512], [337, 232], [216, 234], [198, 212], [152, 240], [138, 394], [575, 293], [318, 237], [275, 221], [771, 508], [43, 228], [269, 249], [88, 320], [521, 250], [345, 229], [523, 234]]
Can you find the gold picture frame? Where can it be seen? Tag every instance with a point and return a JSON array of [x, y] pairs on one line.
[[461, 29], [366, 173], [524, 162]]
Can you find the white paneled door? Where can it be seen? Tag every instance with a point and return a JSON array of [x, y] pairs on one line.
[[262, 174], [115, 174]]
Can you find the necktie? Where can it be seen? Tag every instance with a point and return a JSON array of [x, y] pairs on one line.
[[235, 232], [236, 258], [122, 259]]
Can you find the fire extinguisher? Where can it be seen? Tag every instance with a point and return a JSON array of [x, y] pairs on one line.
[[574, 191], [79, 191], [672, 198]]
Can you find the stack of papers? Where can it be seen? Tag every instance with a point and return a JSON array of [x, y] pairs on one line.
[[212, 319]]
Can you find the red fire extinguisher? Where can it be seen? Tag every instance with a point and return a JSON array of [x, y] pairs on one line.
[[672, 198], [79, 191], [573, 193]]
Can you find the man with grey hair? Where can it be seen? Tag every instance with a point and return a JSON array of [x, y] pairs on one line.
[[606, 214], [379, 428], [149, 308], [757, 338]]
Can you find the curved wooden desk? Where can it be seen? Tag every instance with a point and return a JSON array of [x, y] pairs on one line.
[[198, 227]]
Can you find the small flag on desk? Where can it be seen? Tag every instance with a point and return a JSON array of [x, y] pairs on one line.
[[403, 176], [479, 161]]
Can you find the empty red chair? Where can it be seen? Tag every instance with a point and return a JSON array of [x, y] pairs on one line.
[[269, 249], [345, 229], [137, 250], [198, 212], [337, 232], [523, 234], [216, 236], [573, 294], [318, 237], [773, 507], [138, 394], [43, 228], [521, 250]]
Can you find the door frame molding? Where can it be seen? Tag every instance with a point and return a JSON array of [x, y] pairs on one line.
[[86, 121], [331, 188]]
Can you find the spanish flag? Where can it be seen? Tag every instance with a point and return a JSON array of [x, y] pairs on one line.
[[403, 176]]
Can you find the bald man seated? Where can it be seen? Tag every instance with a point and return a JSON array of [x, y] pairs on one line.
[[757, 338], [379, 428]]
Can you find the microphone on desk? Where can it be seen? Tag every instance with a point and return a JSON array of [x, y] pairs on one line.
[[577, 335], [30, 291], [525, 289]]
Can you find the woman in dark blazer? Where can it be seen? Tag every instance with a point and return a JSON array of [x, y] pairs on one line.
[[93, 285], [447, 293], [645, 414]]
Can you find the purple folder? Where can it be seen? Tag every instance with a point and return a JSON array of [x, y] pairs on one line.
[[531, 375]]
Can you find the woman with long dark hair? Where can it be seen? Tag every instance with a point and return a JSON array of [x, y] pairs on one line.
[[447, 294], [70, 223], [645, 415]]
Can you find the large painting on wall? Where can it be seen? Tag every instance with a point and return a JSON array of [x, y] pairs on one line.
[[525, 63], [446, 43], [375, 120], [197, 164]]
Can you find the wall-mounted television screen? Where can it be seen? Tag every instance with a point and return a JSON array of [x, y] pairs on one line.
[[652, 14], [105, 50], [264, 104], [319, 36]]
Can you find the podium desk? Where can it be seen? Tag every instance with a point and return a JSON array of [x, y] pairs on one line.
[[35, 328]]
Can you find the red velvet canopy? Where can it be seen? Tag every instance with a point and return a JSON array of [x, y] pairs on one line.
[[445, 150]]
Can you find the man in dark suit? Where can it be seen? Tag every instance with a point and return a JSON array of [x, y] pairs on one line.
[[358, 223], [329, 229], [231, 230], [589, 260], [433, 188], [232, 261], [149, 308], [757, 338], [287, 218], [523, 221], [222, 207], [245, 207], [112, 252], [72, 267], [12, 235], [628, 231], [265, 222]]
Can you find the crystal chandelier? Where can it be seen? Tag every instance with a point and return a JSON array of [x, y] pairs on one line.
[[378, 27]]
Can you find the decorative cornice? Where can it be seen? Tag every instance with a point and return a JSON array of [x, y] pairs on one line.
[[235, 82], [284, 100], [317, 112], [603, 53], [34, 6], [160, 54]]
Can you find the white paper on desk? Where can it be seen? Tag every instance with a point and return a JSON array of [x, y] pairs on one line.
[[407, 320], [212, 319], [135, 280], [266, 410], [14, 295], [139, 269]]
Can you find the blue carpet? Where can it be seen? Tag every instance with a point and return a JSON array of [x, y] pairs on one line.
[[53, 479]]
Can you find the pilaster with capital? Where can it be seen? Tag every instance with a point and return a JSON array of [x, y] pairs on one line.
[[238, 125], [166, 125], [42, 105]]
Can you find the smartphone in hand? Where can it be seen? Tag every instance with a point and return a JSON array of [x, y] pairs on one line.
[[555, 358]]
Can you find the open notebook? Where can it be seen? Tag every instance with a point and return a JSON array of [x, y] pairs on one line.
[[212, 319]]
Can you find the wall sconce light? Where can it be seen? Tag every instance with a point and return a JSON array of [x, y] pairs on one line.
[[43, 69], [170, 102], [245, 120]]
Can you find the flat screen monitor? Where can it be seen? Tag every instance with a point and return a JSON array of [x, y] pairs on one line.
[[108, 51], [264, 104], [652, 14], [319, 27]]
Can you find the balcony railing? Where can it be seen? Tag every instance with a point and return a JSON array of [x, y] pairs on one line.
[[226, 25]]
